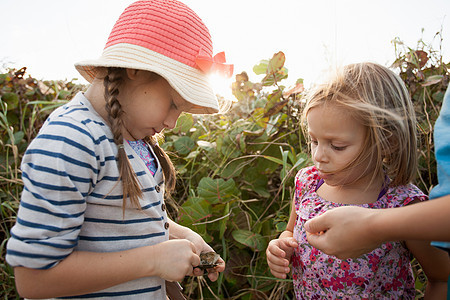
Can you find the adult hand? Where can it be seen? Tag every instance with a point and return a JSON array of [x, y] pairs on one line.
[[279, 252], [344, 232]]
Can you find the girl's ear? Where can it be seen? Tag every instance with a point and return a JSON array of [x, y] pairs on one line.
[[132, 73]]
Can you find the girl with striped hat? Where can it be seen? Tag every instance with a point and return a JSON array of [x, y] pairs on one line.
[[92, 221]]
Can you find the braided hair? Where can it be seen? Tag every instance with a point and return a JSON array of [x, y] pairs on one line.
[[131, 185]]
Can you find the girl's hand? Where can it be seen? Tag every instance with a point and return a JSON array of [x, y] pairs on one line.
[[278, 254], [202, 246], [175, 259]]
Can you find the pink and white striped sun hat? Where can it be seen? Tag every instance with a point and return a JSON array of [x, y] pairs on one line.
[[168, 38]]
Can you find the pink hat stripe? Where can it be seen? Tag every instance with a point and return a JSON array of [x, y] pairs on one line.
[[168, 26], [174, 16], [183, 53], [178, 14], [178, 29]]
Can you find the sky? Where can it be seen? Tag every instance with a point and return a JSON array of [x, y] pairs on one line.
[[49, 36]]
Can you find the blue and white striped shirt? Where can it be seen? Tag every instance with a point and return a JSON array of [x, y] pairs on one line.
[[72, 201]]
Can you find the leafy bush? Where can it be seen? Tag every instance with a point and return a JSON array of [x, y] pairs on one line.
[[235, 171], [235, 179], [24, 106], [426, 76]]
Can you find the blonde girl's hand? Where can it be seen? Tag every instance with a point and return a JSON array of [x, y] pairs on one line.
[[175, 259], [202, 246], [279, 252]]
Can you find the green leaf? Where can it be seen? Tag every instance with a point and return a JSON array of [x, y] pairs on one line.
[[281, 226], [274, 159], [438, 96], [184, 123], [261, 68], [205, 145], [184, 145], [434, 79], [242, 144], [17, 136], [284, 155], [229, 147], [194, 213], [63, 94], [270, 79], [219, 143], [217, 190], [223, 222], [276, 63], [233, 169], [4, 78], [259, 118], [195, 210], [12, 99], [256, 182], [250, 239], [302, 159]]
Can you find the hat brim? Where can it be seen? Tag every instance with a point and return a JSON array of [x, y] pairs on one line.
[[189, 82]]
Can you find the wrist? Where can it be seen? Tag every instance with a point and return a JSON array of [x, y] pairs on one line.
[[378, 225], [151, 266]]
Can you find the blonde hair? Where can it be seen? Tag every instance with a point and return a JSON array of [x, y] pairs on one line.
[[378, 98], [131, 186]]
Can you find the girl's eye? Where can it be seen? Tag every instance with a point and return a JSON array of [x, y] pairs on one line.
[[313, 142], [174, 106], [338, 148]]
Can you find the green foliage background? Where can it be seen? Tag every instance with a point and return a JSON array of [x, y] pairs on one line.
[[235, 170]]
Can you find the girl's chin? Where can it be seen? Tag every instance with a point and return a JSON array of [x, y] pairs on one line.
[[149, 133]]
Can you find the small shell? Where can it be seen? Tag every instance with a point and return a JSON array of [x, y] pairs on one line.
[[208, 260]]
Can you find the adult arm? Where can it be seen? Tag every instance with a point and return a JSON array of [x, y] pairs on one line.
[[352, 231], [436, 265]]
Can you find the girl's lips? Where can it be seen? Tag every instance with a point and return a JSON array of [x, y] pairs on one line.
[[154, 131], [324, 175]]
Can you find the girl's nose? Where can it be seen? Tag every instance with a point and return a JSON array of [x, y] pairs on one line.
[[171, 121], [319, 154]]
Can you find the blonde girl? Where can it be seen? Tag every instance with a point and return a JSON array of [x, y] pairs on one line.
[[361, 126], [92, 221]]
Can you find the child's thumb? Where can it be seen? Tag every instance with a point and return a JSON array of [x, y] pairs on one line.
[[292, 242], [316, 225]]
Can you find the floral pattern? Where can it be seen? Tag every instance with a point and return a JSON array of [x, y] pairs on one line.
[[141, 148], [384, 273]]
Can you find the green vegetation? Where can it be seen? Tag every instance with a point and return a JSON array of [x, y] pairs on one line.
[[235, 171], [24, 106]]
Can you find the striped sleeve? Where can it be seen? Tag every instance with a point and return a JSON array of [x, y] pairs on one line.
[[59, 169]]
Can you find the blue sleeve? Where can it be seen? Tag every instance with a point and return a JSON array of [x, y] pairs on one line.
[[442, 152], [442, 149]]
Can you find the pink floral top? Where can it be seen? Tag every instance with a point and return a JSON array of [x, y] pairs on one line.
[[142, 149], [385, 273]]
